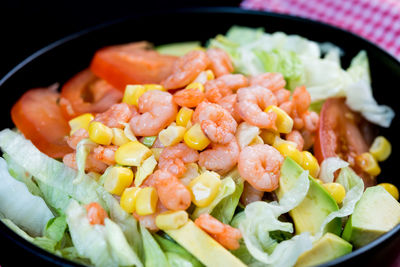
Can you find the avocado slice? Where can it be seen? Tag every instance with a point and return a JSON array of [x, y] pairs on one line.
[[178, 49], [376, 213], [327, 248], [203, 247], [318, 203]]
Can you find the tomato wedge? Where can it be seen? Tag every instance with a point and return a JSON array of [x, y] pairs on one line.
[[86, 93], [339, 135], [38, 116], [133, 63]]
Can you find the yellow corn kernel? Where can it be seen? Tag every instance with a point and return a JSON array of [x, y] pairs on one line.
[[310, 163], [119, 137], [184, 116], [117, 179], [146, 201], [257, 141], [368, 163], [284, 123], [81, 121], [132, 154], [169, 220], [336, 190], [289, 150], [149, 87], [392, 189], [99, 133], [204, 188], [144, 170], [210, 75], [132, 94], [172, 135], [268, 137], [128, 199], [196, 86], [156, 152], [380, 148], [191, 173], [245, 134], [94, 175], [195, 138]]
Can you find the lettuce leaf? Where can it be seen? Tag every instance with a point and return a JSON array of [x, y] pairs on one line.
[[154, 256], [329, 166]]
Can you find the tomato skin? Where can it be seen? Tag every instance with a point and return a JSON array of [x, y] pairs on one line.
[[95, 213], [38, 116], [86, 93], [132, 63]]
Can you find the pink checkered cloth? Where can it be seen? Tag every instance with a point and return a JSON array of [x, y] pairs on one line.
[[375, 20]]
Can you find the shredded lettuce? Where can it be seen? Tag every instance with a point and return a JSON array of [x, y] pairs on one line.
[[154, 256], [83, 149], [328, 168]]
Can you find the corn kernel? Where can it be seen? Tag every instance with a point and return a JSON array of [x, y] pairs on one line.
[[94, 175], [184, 116], [380, 148], [146, 201], [172, 135], [268, 137], [204, 188], [81, 121], [196, 86], [246, 133], [128, 199], [289, 150], [336, 190], [156, 152], [132, 94], [310, 163], [128, 132], [117, 179], [149, 87], [149, 140], [119, 137], [284, 123], [210, 75], [132, 154], [392, 189], [144, 170], [368, 164], [257, 141], [99, 133], [192, 172], [169, 220], [195, 138]]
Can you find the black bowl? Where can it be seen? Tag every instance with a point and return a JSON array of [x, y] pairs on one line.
[[62, 59]]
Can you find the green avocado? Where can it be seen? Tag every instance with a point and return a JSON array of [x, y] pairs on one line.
[[376, 213], [327, 248], [318, 203], [178, 49]]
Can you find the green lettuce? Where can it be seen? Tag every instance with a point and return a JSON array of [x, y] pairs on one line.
[[154, 256]]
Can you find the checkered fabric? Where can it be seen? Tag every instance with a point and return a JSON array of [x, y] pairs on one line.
[[375, 20]]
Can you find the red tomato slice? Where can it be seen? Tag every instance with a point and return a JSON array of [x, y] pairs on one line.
[[38, 116], [339, 135], [132, 63], [86, 93]]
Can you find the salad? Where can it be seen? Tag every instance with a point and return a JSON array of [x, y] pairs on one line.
[[254, 149]]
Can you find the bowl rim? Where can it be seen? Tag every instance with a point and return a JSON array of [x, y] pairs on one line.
[[55, 259]]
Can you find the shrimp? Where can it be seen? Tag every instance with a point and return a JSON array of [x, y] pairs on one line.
[[215, 122], [296, 137], [287, 107], [309, 139], [173, 158], [251, 104], [149, 221], [224, 234], [271, 80], [224, 86], [301, 100], [282, 95], [115, 116], [157, 110], [91, 164], [76, 137], [220, 158], [221, 63], [171, 192], [186, 69], [189, 97], [260, 166], [105, 154], [310, 119], [229, 103], [250, 194]]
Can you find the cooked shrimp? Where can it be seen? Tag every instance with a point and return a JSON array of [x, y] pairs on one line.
[[271, 80], [115, 116], [287, 107], [252, 102], [149, 221], [216, 122], [296, 137], [105, 154], [282, 95], [220, 158], [250, 194], [309, 139], [157, 110], [91, 165], [260, 166], [224, 234], [221, 63], [171, 192], [173, 158], [310, 119], [301, 100], [76, 137], [186, 69], [224, 86], [189, 97], [229, 103]]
